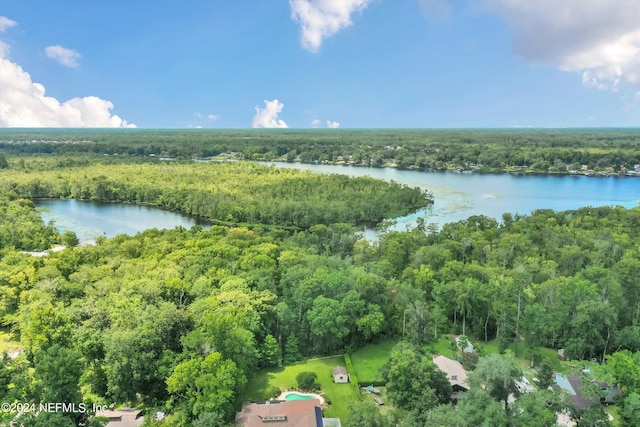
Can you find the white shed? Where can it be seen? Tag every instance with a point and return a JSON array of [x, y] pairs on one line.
[[340, 375]]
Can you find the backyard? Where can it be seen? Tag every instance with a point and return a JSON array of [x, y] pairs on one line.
[[368, 360], [341, 395]]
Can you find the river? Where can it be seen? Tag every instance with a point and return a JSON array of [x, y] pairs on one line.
[[460, 195], [456, 196]]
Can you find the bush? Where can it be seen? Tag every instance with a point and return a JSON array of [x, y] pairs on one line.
[[469, 360], [272, 392], [352, 373], [307, 380]]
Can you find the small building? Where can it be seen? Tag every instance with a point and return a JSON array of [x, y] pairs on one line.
[[282, 413], [340, 375], [466, 347], [125, 417], [456, 375]]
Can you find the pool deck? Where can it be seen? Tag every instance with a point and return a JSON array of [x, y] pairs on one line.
[[283, 396]]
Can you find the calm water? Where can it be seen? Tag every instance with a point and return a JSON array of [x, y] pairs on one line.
[[296, 396], [457, 196], [91, 219], [460, 195]]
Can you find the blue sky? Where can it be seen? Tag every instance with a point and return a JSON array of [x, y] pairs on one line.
[[320, 63]]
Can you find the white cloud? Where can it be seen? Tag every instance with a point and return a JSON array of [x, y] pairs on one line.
[[320, 19], [6, 23], [332, 125], [67, 57], [599, 38], [212, 117], [315, 123], [267, 117], [23, 103]]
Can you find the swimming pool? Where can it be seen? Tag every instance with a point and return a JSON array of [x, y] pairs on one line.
[[296, 396]]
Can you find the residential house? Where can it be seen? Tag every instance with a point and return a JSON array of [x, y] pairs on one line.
[[284, 413], [456, 375], [125, 417], [576, 386]]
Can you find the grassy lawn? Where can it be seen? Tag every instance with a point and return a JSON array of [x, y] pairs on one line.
[[443, 346], [341, 395], [384, 409], [613, 411], [368, 361]]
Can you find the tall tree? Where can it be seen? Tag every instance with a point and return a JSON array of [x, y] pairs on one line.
[[497, 374], [413, 380], [205, 385]]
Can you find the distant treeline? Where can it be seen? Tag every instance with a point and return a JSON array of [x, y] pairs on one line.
[[547, 151]]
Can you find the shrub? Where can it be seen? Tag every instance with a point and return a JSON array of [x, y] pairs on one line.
[[307, 380], [272, 392]]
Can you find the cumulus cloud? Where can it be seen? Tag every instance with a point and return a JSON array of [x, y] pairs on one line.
[[212, 117], [23, 103], [600, 38], [267, 117], [6, 23], [67, 57], [315, 123], [332, 125], [320, 19]]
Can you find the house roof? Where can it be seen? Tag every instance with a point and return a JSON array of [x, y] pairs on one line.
[[572, 384], [126, 417], [454, 370], [339, 370], [280, 413]]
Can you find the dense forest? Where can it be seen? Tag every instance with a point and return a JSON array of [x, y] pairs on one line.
[[180, 320], [229, 193], [610, 151]]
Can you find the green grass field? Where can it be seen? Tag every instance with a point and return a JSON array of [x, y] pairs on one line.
[[368, 361], [443, 347], [341, 395], [384, 409]]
